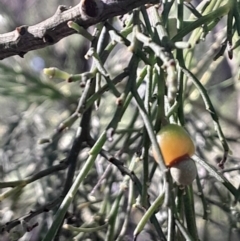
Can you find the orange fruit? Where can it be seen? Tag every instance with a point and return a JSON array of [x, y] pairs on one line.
[[177, 147], [175, 144]]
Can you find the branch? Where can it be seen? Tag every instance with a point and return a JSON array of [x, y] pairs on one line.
[[88, 12], [61, 166], [33, 213]]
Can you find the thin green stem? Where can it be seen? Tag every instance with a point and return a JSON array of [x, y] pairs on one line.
[[83, 229], [190, 212], [203, 199], [74, 188], [146, 142], [184, 231], [212, 170], [219, 12], [152, 209], [211, 110], [112, 217]]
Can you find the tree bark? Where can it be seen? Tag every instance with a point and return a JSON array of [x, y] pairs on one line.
[[88, 12]]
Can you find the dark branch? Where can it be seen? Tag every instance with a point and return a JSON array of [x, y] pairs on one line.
[[61, 166], [33, 213], [88, 12]]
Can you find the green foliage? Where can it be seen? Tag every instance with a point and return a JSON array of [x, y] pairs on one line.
[[76, 149]]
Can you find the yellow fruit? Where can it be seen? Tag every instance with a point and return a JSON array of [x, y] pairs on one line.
[[175, 144], [177, 147]]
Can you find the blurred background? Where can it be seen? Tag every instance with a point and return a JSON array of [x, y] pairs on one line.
[[33, 106]]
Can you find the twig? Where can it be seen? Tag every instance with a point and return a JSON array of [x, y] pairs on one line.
[[27, 217], [61, 166]]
